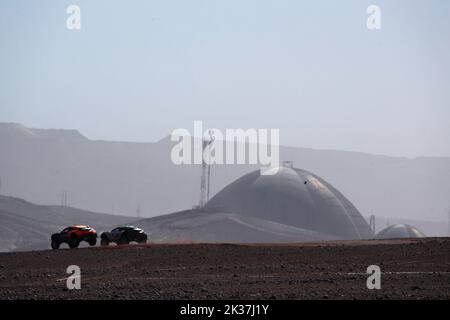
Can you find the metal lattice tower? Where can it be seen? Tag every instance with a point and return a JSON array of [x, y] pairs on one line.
[[64, 198], [206, 173], [448, 231], [288, 164], [209, 180], [63, 201], [138, 211], [372, 224]]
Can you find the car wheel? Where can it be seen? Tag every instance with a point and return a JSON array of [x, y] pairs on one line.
[[142, 240], [73, 243], [104, 242], [55, 244], [123, 240], [92, 241]]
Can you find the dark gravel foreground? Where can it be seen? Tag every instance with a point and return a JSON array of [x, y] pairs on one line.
[[411, 269]]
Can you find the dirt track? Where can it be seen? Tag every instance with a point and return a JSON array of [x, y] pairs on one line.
[[412, 269]]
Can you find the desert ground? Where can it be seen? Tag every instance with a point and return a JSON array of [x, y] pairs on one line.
[[411, 269]]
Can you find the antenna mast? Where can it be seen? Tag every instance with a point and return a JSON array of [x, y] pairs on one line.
[[64, 198], [63, 201], [448, 231], [138, 211], [206, 172], [372, 224]]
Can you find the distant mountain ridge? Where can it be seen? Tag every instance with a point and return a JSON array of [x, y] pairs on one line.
[[20, 131], [120, 177]]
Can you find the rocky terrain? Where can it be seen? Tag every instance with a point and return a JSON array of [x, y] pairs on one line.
[[411, 269]]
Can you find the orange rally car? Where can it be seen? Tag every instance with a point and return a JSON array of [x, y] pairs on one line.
[[73, 236]]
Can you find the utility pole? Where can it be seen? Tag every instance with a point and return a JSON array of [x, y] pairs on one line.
[[209, 180], [0, 185], [206, 172], [138, 211], [63, 201], [64, 198], [372, 224], [448, 231], [288, 164]]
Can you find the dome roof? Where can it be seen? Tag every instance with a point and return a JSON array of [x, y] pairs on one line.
[[400, 231], [293, 197]]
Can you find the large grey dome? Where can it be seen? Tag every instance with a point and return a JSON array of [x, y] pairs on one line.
[[293, 197], [400, 231]]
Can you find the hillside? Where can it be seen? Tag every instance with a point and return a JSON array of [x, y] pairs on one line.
[[27, 226], [220, 227], [38, 164]]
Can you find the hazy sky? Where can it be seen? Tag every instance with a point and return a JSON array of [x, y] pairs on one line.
[[139, 69]]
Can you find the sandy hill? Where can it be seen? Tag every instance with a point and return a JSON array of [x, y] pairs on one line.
[[102, 176], [220, 227], [27, 226]]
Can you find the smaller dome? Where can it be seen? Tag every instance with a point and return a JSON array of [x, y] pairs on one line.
[[400, 231]]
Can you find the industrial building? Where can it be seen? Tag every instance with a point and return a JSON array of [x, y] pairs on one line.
[[296, 198], [288, 206], [400, 231]]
